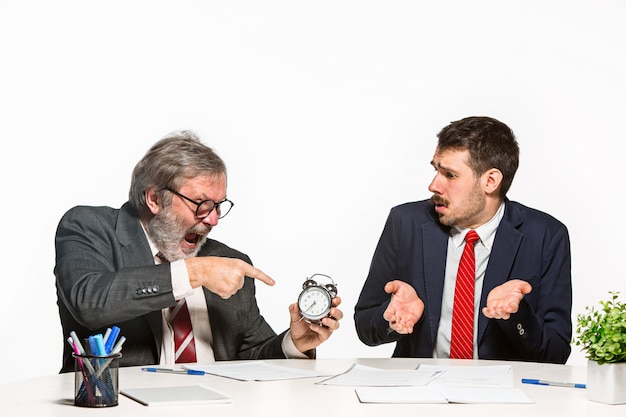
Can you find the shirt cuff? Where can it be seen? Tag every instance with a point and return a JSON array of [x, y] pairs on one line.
[[181, 287], [290, 350]]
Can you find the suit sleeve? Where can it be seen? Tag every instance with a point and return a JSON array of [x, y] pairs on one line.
[[372, 329], [542, 328], [90, 282]]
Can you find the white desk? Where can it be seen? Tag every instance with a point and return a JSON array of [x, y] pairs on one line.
[[53, 395]]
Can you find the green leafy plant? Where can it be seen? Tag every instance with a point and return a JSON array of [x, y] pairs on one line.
[[602, 332]]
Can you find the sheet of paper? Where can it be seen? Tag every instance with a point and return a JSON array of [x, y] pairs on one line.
[[366, 376], [484, 395], [255, 371], [429, 394], [496, 375], [441, 394]]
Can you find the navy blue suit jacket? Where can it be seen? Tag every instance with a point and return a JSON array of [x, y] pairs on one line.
[[529, 245]]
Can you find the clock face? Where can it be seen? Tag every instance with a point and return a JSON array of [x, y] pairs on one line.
[[314, 303]]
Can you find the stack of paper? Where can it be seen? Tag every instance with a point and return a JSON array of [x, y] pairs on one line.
[[432, 384]]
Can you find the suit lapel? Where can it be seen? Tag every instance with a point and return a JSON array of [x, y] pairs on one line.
[[435, 248], [136, 252], [505, 246]]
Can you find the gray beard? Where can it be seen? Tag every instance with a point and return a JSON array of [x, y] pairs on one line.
[[166, 233]]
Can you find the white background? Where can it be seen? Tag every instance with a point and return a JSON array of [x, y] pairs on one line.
[[325, 113]]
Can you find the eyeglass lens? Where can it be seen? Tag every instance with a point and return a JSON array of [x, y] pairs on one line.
[[206, 207]]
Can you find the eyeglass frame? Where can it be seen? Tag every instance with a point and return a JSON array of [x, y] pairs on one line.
[[216, 205]]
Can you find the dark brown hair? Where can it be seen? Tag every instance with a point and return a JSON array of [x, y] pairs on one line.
[[491, 144]]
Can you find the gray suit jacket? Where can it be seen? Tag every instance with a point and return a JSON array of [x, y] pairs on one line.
[[105, 276]]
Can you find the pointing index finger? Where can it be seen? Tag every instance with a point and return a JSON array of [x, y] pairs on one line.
[[256, 273]]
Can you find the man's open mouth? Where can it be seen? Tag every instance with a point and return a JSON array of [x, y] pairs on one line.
[[438, 201], [192, 238]]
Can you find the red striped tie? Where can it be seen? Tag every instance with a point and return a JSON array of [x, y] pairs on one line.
[[184, 345], [462, 339]]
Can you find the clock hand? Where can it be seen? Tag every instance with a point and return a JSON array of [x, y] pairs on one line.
[[310, 307]]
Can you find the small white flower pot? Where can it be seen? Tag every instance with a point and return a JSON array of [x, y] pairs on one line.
[[606, 383]]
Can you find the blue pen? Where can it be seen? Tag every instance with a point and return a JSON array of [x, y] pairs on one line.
[[109, 341], [106, 335], [99, 341], [553, 383], [174, 371], [93, 349]]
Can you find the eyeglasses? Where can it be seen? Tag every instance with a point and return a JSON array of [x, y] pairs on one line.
[[205, 207]]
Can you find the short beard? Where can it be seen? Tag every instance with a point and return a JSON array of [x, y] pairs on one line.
[[166, 232], [467, 211]]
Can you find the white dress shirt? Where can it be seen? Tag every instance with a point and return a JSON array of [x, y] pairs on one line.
[[482, 250]]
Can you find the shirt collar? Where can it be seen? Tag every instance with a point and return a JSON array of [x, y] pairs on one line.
[[486, 232], [153, 248]]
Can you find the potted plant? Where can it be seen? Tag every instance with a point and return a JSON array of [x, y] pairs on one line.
[[602, 335]]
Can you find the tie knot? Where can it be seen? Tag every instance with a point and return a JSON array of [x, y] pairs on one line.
[[472, 237], [161, 257]]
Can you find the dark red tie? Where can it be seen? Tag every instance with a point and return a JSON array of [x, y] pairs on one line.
[[462, 339], [184, 345]]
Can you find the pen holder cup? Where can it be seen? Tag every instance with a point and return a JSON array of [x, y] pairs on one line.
[[96, 380]]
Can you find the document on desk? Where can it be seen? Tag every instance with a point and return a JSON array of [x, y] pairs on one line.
[[366, 376], [255, 371], [484, 395], [434, 384], [429, 394], [441, 394], [496, 375]]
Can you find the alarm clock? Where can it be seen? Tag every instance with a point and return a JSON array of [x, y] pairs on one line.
[[316, 300]]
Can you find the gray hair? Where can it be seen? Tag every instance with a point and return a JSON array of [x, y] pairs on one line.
[[178, 156]]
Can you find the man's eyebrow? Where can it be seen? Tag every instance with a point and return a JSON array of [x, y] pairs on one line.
[[438, 165]]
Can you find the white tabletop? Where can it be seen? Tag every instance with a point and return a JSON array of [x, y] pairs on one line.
[[53, 395]]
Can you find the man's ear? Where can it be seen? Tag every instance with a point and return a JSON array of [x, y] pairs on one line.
[[492, 180], [153, 201]]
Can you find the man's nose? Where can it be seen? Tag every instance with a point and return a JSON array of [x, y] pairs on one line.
[[212, 219], [433, 187]]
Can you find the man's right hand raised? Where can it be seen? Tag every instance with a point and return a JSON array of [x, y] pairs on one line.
[[405, 308], [222, 276]]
